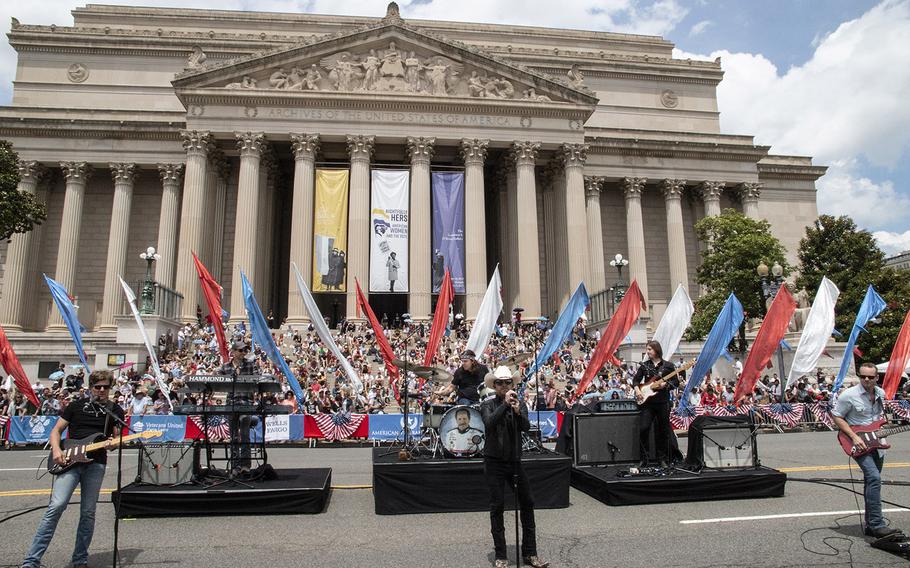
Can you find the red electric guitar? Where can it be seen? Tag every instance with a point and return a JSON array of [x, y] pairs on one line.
[[875, 437]]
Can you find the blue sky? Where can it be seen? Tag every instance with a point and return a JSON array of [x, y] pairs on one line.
[[826, 78]]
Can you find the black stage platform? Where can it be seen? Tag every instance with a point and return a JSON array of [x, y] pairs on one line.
[[603, 484], [435, 485], [295, 491]]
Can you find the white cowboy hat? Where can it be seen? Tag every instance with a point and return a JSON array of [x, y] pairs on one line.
[[501, 372]]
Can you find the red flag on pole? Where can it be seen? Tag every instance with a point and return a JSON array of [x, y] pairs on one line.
[[619, 326], [10, 362], [211, 290], [440, 318], [384, 346], [766, 342], [900, 354]]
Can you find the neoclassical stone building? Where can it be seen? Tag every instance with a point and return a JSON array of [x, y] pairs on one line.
[[201, 130]]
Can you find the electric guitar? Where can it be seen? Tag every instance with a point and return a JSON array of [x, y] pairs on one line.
[[648, 389], [76, 451], [875, 437]]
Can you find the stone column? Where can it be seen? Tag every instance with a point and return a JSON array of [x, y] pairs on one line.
[[76, 175], [197, 145], [573, 157], [501, 187], [246, 233], [749, 193], [679, 273], [549, 230], [474, 152], [597, 279], [635, 233], [171, 175], [21, 262], [305, 147], [223, 171], [510, 244], [561, 244], [118, 237], [360, 149], [420, 237], [710, 194], [525, 154]]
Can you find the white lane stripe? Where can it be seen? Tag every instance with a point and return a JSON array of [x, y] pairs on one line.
[[19, 469], [783, 516]]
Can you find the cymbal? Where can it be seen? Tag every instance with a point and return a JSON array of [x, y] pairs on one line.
[[435, 374], [402, 364], [516, 359]]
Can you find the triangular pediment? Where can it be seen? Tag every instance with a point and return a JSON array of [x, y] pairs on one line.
[[390, 58]]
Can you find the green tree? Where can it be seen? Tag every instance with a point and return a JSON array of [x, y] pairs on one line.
[[735, 246], [849, 257], [19, 212]]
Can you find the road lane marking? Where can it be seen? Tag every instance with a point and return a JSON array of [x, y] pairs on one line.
[[784, 516], [835, 467]]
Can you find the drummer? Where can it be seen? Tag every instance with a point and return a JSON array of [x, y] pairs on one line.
[[467, 378]]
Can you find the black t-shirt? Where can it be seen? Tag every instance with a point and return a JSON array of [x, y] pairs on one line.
[[648, 371], [86, 419], [467, 381]]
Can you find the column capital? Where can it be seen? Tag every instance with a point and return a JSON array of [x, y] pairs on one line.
[[420, 149], [250, 143], [197, 141], [123, 172], [305, 146], [573, 155], [633, 186], [31, 171], [76, 171], [360, 147], [750, 191], [711, 190], [593, 186], [474, 150], [524, 153], [672, 188], [170, 173]]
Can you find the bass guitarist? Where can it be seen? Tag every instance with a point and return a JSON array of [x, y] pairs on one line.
[[861, 405], [656, 409], [84, 417]]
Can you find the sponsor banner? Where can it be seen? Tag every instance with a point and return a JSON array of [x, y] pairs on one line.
[[31, 429], [448, 229], [389, 208], [549, 423], [359, 422], [391, 426], [174, 427], [330, 231]]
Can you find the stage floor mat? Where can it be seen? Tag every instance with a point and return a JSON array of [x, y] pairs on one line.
[[603, 484], [295, 491], [438, 485]]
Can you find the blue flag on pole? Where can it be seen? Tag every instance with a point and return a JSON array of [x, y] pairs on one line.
[[263, 336], [872, 305], [563, 328], [723, 330], [70, 317]]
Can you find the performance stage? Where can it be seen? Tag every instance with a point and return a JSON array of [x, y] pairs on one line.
[[435, 485], [295, 491], [606, 486]]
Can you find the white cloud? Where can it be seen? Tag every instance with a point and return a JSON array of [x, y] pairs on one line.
[[871, 204], [700, 27], [892, 243]]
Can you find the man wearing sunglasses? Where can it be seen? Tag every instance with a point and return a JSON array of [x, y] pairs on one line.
[[861, 405], [505, 417], [84, 417]]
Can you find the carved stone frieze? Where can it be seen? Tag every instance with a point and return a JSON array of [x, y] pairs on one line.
[[576, 77], [669, 99], [305, 146], [196, 58], [633, 186], [77, 73], [474, 151]]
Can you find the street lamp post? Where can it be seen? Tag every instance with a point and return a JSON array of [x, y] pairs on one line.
[[148, 288], [770, 286], [619, 289]]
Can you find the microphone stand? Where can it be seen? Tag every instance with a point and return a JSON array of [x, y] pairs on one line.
[[126, 426], [517, 463]]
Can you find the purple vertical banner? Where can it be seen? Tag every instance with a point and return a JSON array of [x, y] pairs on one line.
[[448, 229]]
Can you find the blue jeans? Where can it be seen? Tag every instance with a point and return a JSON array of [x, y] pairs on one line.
[[89, 477], [871, 464]]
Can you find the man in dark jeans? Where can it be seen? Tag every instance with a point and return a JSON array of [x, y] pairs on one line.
[[504, 418], [656, 409]]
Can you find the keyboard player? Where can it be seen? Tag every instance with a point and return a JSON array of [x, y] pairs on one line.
[[240, 364]]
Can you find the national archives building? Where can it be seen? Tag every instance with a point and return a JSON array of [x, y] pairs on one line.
[[371, 150]]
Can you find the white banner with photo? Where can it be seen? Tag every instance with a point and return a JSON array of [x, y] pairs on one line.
[[389, 209]]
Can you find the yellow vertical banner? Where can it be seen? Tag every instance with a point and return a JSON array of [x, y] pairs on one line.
[[330, 231]]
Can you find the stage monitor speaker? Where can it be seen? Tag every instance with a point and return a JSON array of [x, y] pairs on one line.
[[729, 446], [607, 438], [166, 463]]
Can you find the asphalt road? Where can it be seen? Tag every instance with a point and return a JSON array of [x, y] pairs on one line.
[[587, 534]]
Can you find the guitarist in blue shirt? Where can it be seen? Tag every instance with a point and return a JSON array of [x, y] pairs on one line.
[[656, 409]]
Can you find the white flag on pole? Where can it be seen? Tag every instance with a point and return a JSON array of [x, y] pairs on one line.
[[819, 326], [322, 330], [489, 311], [673, 324], [131, 298]]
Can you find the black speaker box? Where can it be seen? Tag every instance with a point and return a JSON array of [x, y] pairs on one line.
[[607, 438]]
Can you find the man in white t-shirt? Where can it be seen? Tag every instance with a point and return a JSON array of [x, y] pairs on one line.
[[140, 403]]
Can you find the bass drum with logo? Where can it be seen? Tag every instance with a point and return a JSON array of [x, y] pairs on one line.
[[461, 432]]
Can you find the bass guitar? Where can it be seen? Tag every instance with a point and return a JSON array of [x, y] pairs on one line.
[[874, 436], [76, 451], [651, 387]]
